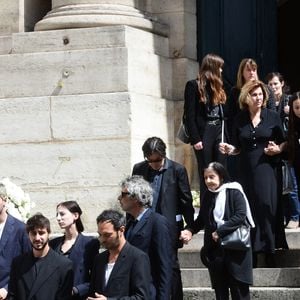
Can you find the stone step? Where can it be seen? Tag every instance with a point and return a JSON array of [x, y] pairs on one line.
[[255, 293], [283, 258], [292, 237], [262, 277]]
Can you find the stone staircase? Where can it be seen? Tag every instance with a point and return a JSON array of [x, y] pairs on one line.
[[282, 282]]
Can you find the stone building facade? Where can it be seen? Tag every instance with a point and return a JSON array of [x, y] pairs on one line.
[[82, 84]]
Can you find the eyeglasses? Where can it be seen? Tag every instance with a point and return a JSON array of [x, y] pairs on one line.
[[123, 194], [152, 161]]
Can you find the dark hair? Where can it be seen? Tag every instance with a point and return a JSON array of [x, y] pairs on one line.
[[270, 76], [73, 207], [220, 170], [113, 216], [210, 75], [154, 145], [293, 121], [38, 221]]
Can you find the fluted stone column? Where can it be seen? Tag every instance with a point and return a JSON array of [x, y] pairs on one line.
[[96, 13]]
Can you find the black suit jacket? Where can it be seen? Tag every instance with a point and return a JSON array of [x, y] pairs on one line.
[[14, 242], [152, 235], [54, 280], [129, 279], [196, 112], [175, 196], [82, 255]]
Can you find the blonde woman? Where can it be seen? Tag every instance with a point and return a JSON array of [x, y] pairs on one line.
[[259, 139]]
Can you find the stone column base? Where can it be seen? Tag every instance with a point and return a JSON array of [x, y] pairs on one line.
[[97, 15]]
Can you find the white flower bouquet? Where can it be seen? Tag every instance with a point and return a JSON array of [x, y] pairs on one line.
[[18, 202]]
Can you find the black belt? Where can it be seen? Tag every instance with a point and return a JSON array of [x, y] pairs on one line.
[[213, 122]]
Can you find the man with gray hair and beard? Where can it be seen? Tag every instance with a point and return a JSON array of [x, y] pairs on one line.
[[148, 231]]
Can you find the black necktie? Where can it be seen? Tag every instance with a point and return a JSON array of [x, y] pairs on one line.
[[130, 229]]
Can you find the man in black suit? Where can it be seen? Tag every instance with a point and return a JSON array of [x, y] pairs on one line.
[[171, 197], [14, 241], [123, 271], [43, 273], [148, 231]]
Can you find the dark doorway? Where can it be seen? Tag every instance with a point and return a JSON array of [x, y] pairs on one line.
[[288, 51], [34, 11], [237, 29]]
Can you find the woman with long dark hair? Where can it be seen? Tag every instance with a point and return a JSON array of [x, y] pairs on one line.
[[204, 112], [80, 249], [294, 135]]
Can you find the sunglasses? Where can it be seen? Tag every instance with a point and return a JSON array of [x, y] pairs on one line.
[[151, 161], [123, 194]]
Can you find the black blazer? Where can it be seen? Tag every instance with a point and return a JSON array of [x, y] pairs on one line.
[[82, 255], [196, 112], [175, 196], [238, 263], [14, 242], [130, 277], [152, 235], [54, 281]]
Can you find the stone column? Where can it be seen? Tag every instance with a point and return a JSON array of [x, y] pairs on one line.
[[67, 14]]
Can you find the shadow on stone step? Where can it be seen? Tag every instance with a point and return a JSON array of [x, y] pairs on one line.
[[283, 259]]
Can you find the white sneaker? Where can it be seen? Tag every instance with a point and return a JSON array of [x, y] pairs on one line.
[[292, 224]]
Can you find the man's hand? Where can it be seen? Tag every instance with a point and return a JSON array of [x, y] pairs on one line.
[[97, 296], [185, 236], [3, 294]]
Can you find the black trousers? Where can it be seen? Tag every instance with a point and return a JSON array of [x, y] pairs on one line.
[[223, 281], [210, 152], [176, 289]]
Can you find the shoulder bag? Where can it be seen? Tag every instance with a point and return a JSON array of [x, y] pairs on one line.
[[182, 133], [238, 239]]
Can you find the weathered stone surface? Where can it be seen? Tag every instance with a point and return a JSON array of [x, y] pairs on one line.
[[85, 71], [99, 13], [89, 38], [25, 120], [5, 44], [91, 116], [78, 104]]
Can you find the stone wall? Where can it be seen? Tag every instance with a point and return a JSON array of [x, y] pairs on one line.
[[77, 104]]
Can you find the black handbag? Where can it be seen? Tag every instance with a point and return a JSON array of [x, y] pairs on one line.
[[238, 239], [182, 133], [287, 178]]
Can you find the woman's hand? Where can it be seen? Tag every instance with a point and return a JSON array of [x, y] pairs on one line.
[[198, 146], [215, 236], [273, 148], [226, 148], [185, 236], [286, 109]]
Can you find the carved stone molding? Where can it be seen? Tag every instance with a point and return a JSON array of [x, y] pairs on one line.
[[65, 14]]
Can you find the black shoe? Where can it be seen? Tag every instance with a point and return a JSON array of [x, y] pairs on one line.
[[254, 260], [270, 260]]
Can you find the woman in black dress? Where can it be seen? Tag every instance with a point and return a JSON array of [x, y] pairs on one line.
[[258, 137]]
